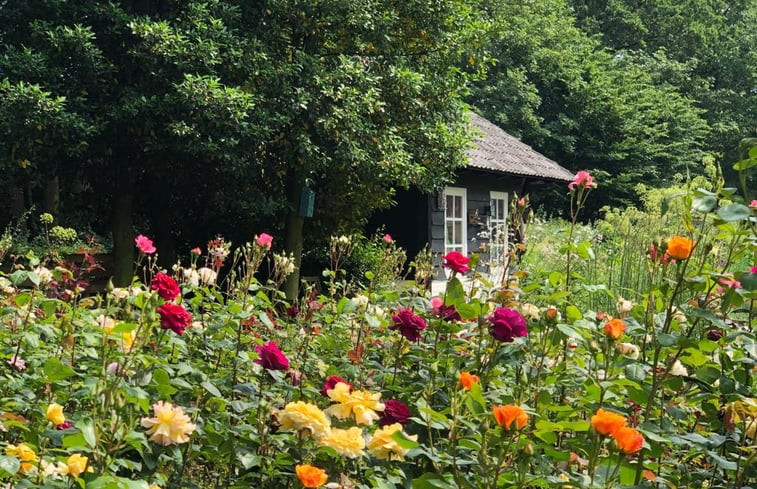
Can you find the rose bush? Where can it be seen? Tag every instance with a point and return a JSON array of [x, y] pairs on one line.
[[525, 385]]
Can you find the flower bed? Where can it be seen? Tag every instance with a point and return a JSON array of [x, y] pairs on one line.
[[180, 381]]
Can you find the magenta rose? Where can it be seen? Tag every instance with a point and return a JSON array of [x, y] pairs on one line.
[[332, 381], [264, 241], [144, 244], [456, 261], [174, 317], [506, 324], [409, 324], [166, 286], [394, 412], [582, 180], [270, 357]]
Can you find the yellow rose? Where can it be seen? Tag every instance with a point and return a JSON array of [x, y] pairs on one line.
[[55, 414], [300, 416], [77, 464], [382, 445], [348, 443], [360, 404], [24, 453]]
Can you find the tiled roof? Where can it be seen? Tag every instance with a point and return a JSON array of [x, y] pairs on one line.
[[498, 151]]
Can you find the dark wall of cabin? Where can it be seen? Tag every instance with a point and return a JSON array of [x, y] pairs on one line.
[[417, 218], [406, 222], [478, 184]]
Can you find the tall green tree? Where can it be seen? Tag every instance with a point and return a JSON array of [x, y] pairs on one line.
[[706, 48], [557, 88], [195, 109]]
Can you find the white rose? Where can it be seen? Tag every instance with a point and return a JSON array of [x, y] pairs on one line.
[[120, 293], [628, 350], [530, 311], [207, 276], [624, 306], [44, 274], [191, 276], [678, 370]]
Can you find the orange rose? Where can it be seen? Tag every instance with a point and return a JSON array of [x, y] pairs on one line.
[[311, 476], [606, 423], [629, 440], [680, 247], [466, 380], [615, 328], [506, 415]]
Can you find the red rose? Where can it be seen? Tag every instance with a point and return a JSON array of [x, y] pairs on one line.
[[507, 324], [456, 261], [409, 324], [331, 381], [270, 357], [166, 286], [394, 412], [174, 317]]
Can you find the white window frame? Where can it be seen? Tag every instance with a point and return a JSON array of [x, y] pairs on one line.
[[463, 219], [494, 222]]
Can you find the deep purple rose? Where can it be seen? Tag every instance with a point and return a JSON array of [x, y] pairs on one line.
[[270, 357], [394, 412], [409, 324], [174, 317], [448, 313], [714, 334], [332, 381], [507, 324]]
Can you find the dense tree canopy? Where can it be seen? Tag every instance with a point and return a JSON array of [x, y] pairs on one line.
[[193, 110], [587, 107], [187, 118]]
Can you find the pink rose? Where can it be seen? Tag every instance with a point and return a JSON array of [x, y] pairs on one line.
[[753, 203], [753, 270], [196, 251], [582, 180], [145, 244], [166, 286], [264, 240], [436, 303], [409, 324], [270, 357], [388, 238], [174, 317], [507, 324], [456, 261]]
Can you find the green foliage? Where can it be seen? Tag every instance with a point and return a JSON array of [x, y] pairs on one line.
[[704, 48], [565, 83], [675, 365], [204, 106]]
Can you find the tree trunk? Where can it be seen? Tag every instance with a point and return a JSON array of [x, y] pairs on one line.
[[293, 239], [51, 197], [123, 235], [163, 224]]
